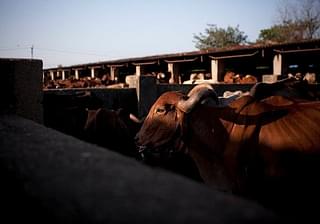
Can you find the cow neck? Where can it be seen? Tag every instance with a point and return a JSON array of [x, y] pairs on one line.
[[209, 160], [205, 117], [243, 130]]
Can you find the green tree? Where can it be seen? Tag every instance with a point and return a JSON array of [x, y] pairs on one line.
[[298, 20], [282, 33], [215, 37]]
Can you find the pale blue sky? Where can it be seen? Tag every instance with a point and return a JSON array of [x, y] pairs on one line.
[[71, 32]]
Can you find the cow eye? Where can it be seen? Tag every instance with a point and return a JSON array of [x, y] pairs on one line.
[[160, 110]]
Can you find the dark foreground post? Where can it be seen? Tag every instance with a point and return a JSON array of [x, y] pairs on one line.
[[147, 93], [21, 88], [48, 177]]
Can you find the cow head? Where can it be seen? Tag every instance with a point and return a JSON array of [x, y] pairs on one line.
[[111, 129], [163, 128]]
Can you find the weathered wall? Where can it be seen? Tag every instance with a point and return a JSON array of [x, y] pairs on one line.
[[21, 88]]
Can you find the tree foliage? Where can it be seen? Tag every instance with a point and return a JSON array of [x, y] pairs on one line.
[[215, 37], [298, 20]]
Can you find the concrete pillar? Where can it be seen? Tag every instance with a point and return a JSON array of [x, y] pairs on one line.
[[277, 64], [76, 72], [174, 71], [92, 72], [214, 69], [51, 75], [171, 70], [63, 75], [138, 70], [113, 73]]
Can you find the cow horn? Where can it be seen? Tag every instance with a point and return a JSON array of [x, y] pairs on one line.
[[197, 95]]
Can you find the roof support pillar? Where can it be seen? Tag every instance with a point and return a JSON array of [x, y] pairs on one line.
[[277, 64], [76, 73], [51, 75], [214, 69], [138, 70], [92, 72], [173, 69], [63, 75], [113, 73]]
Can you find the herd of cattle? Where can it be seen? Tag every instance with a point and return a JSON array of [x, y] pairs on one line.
[[85, 82], [231, 77], [263, 144], [106, 82]]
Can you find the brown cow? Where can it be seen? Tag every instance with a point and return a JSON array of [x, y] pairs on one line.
[[248, 79], [231, 78], [112, 129], [266, 149], [290, 87]]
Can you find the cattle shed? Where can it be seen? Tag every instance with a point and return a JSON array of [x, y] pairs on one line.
[[259, 60], [142, 83], [50, 177]]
